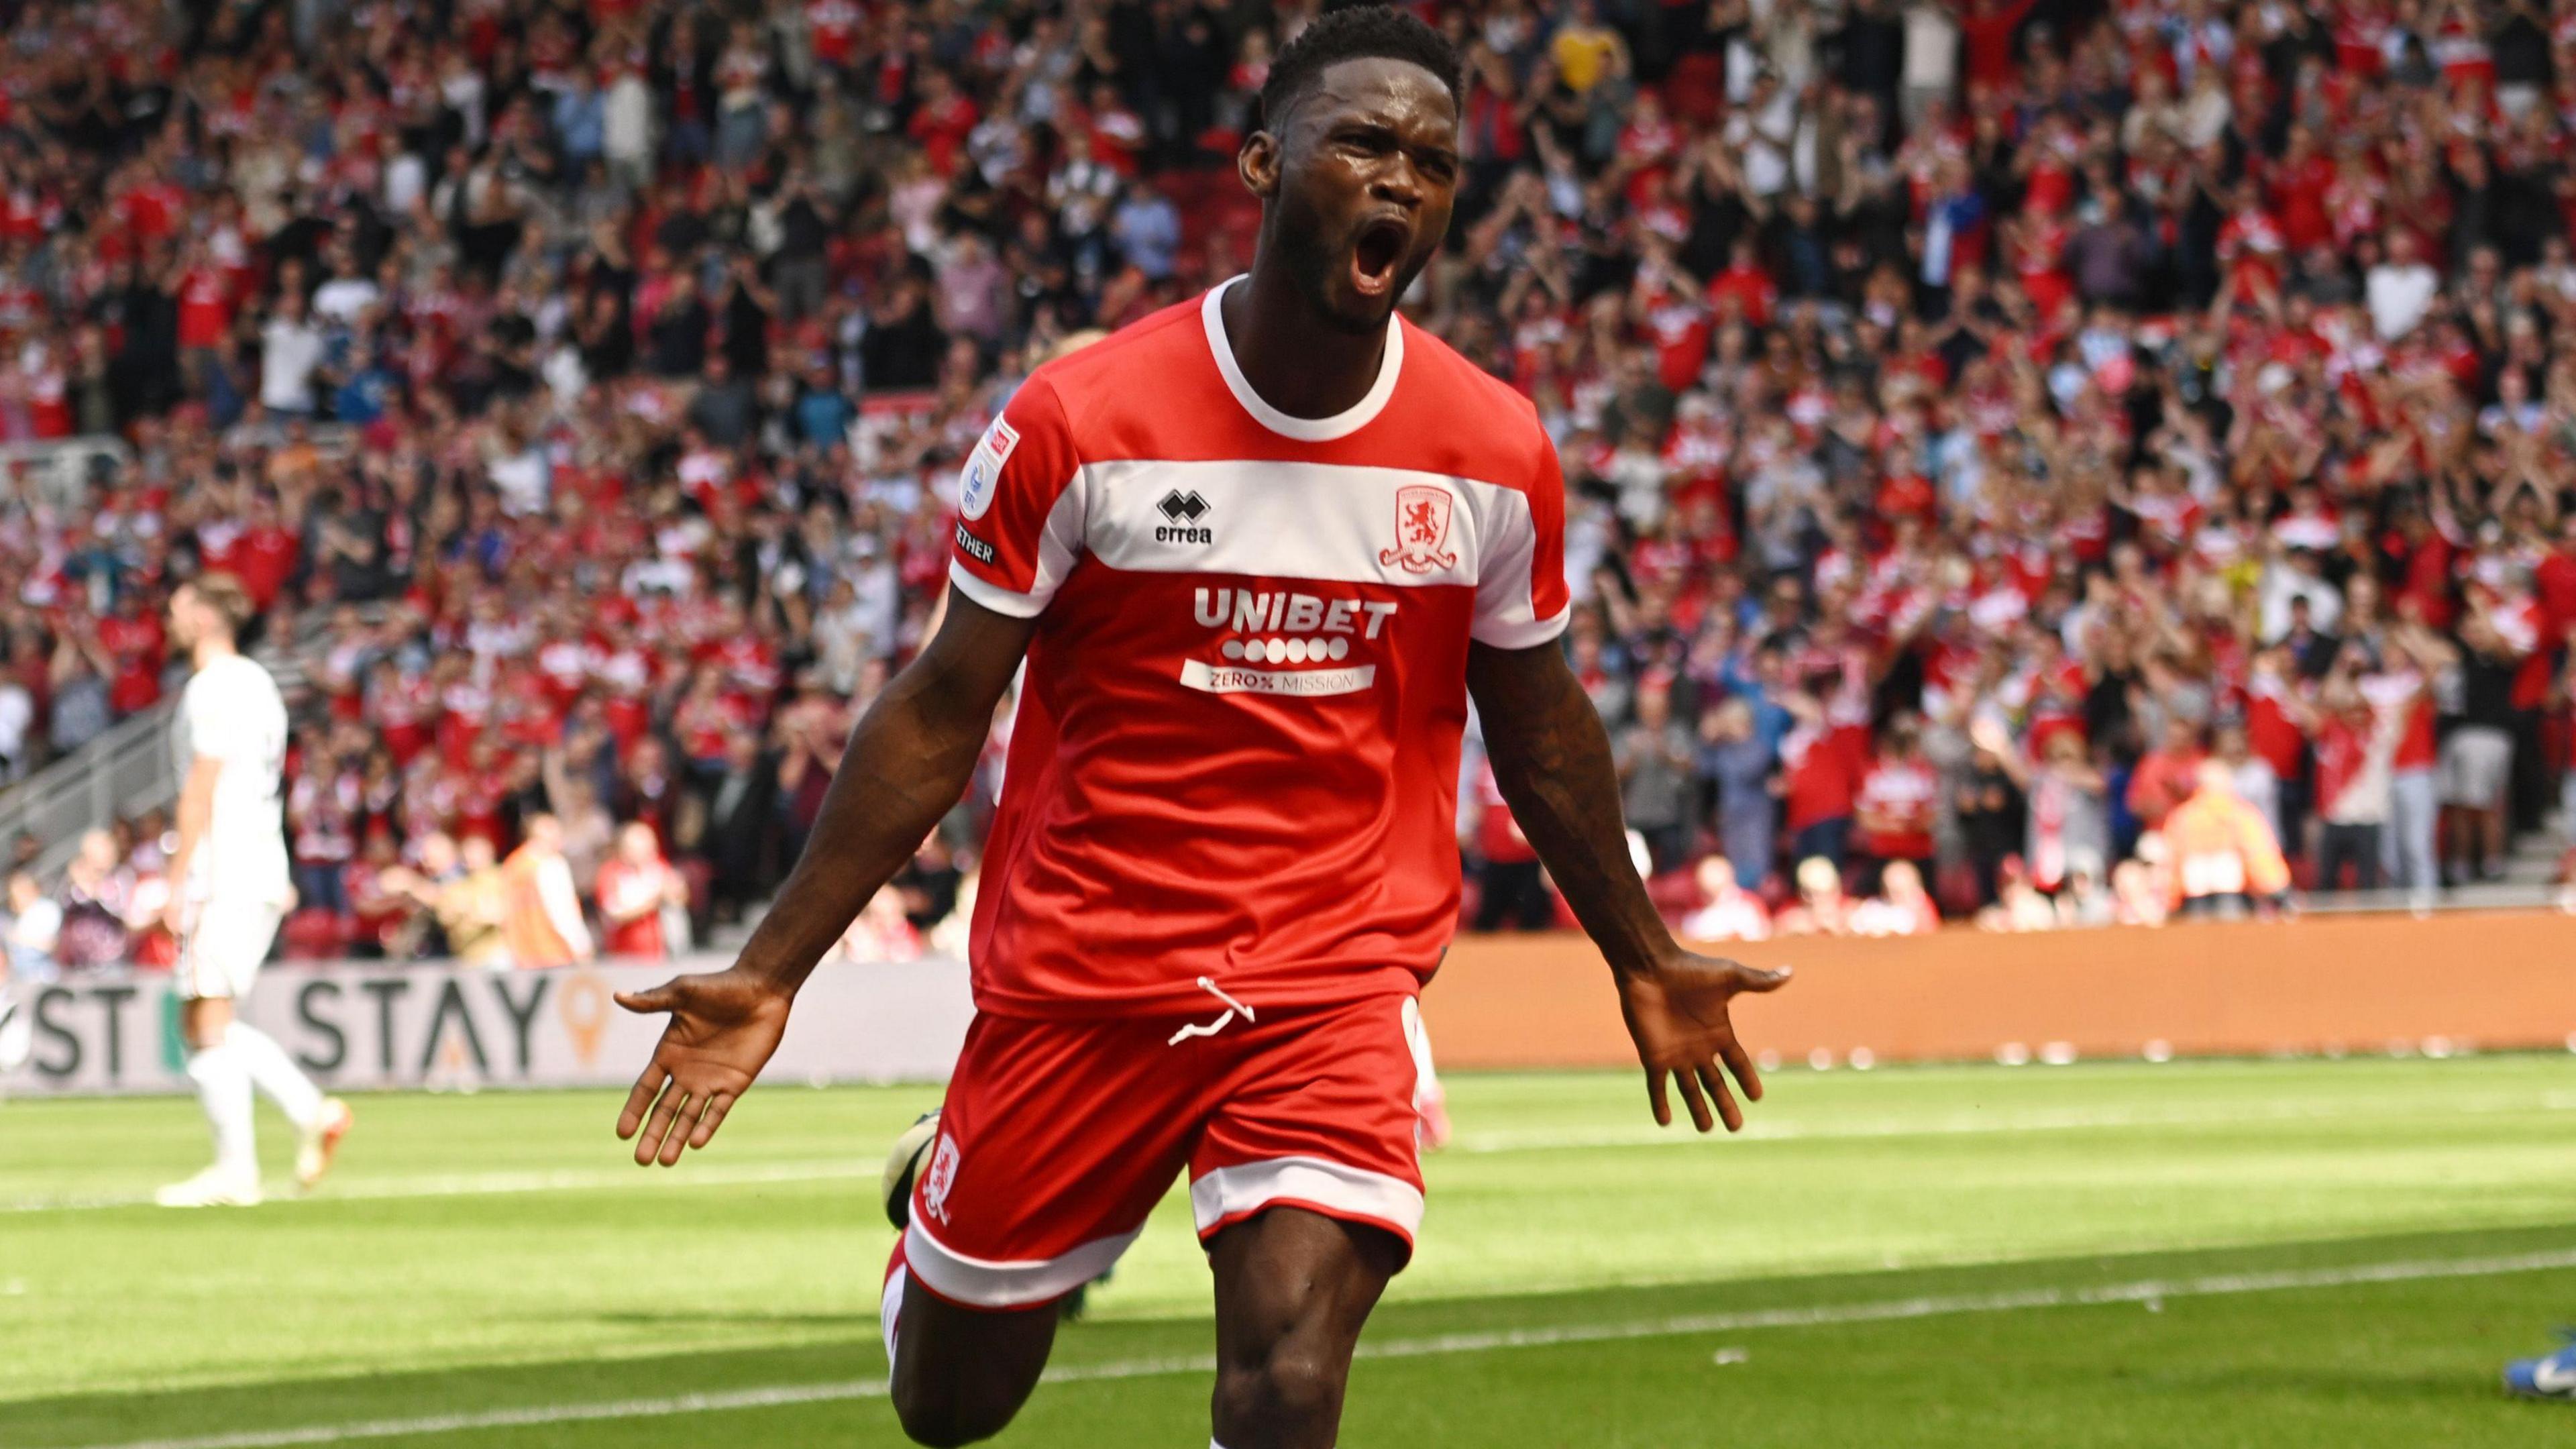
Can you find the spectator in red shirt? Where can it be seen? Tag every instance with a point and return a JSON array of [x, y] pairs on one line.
[[942, 118], [2355, 740], [1986, 34], [636, 885], [265, 555], [378, 910], [1899, 793], [2167, 775], [1744, 291], [2409, 846], [1818, 784]]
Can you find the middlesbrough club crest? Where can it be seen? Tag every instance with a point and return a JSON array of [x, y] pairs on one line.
[[1421, 530], [943, 1176]]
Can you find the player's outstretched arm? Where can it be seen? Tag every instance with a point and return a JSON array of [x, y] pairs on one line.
[[907, 763], [1551, 758]]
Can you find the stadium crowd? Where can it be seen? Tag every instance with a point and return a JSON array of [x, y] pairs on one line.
[[2045, 460]]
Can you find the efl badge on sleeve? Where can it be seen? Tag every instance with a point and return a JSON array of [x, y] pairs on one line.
[[1421, 530], [983, 474]]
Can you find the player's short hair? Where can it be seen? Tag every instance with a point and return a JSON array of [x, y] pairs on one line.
[[223, 593], [1355, 30]]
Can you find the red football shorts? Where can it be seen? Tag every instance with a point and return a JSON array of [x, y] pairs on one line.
[[1058, 1137]]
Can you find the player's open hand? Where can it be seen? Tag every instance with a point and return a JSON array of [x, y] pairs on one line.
[[1677, 1012], [724, 1025]]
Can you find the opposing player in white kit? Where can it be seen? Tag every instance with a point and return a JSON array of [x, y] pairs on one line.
[[230, 890]]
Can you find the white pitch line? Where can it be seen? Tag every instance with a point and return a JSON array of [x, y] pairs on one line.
[[1887, 1310], [1978, 1124], [701, 1173]]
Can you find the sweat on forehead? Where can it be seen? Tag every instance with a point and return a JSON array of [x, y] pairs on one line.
[[1363, 84], [1366, 32]]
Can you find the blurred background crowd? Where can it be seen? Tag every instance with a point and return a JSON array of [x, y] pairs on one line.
[[2046, 461]]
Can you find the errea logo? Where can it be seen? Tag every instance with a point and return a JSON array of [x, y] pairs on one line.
[[1182, 512]]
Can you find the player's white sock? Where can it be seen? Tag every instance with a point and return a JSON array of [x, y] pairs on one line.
[[890, 1306], [223, 1089], [275, 1073]]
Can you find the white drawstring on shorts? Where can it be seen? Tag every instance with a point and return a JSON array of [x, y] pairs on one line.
[[1232, 1006]]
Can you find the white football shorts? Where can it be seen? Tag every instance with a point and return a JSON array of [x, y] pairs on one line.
[[221, 952]]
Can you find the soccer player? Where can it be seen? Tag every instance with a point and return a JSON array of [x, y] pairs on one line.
[[229, 892], [1259, 551]]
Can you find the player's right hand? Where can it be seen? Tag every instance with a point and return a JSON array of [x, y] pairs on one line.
[[724, 1025]]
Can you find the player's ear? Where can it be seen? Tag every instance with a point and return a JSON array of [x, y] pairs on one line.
[[1258, 164]]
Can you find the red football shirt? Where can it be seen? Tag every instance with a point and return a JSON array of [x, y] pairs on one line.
[[1907, 794], [1236, 754], [2343, 752]]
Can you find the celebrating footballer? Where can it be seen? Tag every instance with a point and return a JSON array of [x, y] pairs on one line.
[[1257, 554]]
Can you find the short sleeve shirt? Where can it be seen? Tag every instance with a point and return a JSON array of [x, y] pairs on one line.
[[1236, 753]]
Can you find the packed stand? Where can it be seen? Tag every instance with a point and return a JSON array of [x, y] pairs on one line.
[[2046, 462]]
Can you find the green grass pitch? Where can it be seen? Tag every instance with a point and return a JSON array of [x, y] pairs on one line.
[[2195, 1254]]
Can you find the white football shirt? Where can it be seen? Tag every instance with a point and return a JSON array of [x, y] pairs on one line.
[[231, 711]]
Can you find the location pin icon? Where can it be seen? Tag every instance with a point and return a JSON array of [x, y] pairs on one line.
[[583, 1006]]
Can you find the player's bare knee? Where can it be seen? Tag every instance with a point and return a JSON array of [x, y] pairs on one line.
[[940, 1429], [943, 1416], [952, 1388], [202, 1022], [1293, 1386]]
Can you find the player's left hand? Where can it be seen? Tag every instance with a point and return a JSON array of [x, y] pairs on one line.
[[1677, 1012]]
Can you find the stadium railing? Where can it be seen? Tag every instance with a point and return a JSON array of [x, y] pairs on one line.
[[61, 468], [121, 774]]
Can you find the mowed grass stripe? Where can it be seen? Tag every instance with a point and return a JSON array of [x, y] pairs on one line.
[[2147, 1290], [1976, 1124], [698, 1172]]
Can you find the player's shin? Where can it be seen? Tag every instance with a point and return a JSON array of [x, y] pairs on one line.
[[274, 1073], [223, 1090]]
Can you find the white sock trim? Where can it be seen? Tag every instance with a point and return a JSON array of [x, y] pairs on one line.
[[890, 1312]]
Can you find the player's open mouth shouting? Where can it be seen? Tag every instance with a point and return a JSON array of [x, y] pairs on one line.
[[1383, 245]]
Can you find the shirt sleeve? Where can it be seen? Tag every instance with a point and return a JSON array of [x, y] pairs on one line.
[[1020, 507], [1521, 599]]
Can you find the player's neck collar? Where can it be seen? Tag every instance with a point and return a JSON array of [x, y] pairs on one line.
[[1304, 430]]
